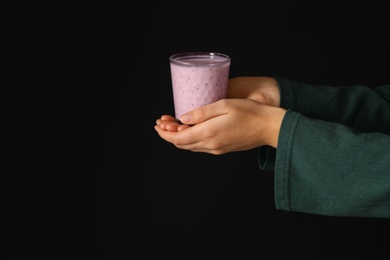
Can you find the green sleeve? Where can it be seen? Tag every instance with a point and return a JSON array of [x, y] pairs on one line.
[[333, 155], [331, 169], [361, 107]]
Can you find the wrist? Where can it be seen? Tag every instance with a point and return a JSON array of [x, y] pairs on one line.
[[273, 92]]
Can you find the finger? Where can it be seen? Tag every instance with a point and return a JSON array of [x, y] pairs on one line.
[[204, 113], [168, 122], [164, 134], [171, 126], [168, 118], [168, 125], [179, 138], [182, 142], [182, 127]]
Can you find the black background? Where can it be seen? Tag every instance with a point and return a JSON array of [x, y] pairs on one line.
[[83, 173]]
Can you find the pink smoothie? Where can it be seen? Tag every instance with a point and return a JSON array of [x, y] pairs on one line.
[[198, 80]]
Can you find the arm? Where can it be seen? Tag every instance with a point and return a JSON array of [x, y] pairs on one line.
[[329, 168], [322, 167], [361, 107]]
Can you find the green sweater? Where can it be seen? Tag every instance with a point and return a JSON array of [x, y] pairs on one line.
[[333, 155]]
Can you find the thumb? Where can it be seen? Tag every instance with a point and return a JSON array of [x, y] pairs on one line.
[[202, 113]]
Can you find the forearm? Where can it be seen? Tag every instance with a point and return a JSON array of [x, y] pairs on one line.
[[330, 169], [361, 107]]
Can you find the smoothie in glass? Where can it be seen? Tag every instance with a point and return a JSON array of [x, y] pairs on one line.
[[198, 79]]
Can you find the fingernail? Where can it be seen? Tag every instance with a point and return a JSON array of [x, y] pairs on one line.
[[185, 118]]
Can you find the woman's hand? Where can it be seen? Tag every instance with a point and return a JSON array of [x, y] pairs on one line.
[[224, 126]]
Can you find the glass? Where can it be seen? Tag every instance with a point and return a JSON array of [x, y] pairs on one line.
[[198, 79]]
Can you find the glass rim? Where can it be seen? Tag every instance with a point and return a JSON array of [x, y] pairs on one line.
[[176, 58]]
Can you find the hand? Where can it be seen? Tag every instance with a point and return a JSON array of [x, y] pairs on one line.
[[224, 126], [264, 90], [261, 89]]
